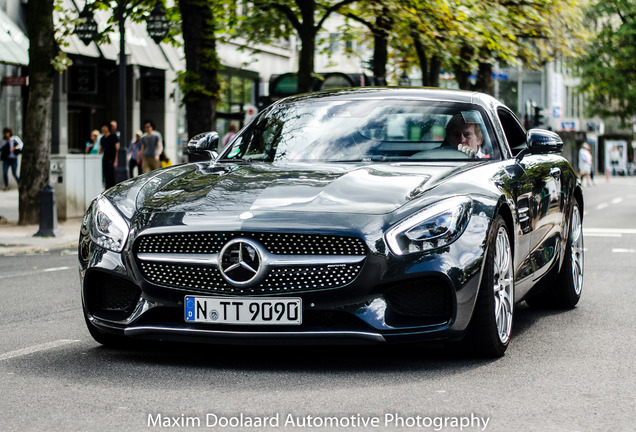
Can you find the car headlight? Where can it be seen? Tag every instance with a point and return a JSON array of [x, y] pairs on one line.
[[436, 226], [108, 228]]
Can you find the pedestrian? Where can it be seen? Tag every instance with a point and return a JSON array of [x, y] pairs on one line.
[[231, 131], [113, 128], [92, 145], [109, 146], [133, 154], [9, 150], [585, 164], [151, 148]]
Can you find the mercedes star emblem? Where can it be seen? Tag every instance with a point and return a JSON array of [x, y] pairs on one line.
[[241, 262]]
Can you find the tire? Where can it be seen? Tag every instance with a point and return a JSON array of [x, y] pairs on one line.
[[565, 292], [491, 325]]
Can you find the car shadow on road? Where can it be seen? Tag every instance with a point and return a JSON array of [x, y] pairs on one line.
[[393, 357], [248, 366]]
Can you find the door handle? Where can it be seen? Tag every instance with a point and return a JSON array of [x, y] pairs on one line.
[[555, 172]]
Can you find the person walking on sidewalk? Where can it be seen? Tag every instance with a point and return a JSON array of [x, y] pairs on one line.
[[9, 151], [109, 146], [151, 148], [585, 164]]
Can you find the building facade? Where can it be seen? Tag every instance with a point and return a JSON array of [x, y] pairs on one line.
[[14, 58], [87, 94]]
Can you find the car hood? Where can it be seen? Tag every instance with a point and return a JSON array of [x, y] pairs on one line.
[[260, 187]]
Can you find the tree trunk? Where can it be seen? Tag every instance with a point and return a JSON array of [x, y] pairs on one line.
[[200, 84], [307, 34], [421, 57], [462, 67], [436, 65], [381, 31], [484, 79], [36, 156]]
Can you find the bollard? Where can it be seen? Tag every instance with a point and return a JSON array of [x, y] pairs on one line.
[[48, 213]]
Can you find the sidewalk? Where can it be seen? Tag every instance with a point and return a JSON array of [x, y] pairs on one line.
[[16, 239]]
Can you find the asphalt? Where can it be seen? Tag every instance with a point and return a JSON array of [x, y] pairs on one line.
[[17, 239]]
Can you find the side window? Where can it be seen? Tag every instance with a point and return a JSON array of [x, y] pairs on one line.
[[515, 134]]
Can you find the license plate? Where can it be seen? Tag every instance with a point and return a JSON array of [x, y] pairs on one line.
[[243, 310]]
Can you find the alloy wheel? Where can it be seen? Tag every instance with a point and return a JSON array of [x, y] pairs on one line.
[[577, 251], [503, 286]]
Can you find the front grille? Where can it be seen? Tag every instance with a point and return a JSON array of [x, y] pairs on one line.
[[163, 259], [276, 243]]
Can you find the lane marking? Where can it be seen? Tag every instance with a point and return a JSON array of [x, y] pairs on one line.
[[31, 272], [609, 231], [619, 250], [617, 200], [52, 269], [602, 206], [36, 348]]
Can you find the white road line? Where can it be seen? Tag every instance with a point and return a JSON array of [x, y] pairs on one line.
[[609, 231], [617, 200], [31, 272], [52, 269], [619, 250], [36, 348], [602, 206]]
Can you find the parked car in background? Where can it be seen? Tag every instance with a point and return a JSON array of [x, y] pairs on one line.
[[366, 215]]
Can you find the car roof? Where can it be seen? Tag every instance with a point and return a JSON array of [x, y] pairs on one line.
[[412, 93]]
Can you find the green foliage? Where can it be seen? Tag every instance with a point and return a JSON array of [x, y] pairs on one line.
[[65, 25], [462, 34], [608, 67], [194, 89]]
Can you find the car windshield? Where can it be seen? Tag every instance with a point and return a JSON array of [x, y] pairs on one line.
[[365, 130]]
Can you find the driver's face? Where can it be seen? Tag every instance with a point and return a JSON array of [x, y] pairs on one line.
[[465, 135]]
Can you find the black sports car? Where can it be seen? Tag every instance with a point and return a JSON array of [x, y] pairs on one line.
[[355, 216]]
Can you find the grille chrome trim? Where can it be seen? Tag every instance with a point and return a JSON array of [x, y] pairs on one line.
[[200, 259], [271, 259]]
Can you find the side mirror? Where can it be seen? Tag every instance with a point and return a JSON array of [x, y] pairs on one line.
[[541, 141], [205, 143]]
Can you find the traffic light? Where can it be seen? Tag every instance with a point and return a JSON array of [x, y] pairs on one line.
[[537, 118]]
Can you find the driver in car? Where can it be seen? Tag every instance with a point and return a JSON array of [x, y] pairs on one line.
[[466, 136]]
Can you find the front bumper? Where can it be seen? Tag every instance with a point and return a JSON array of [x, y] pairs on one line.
[[392, 299]]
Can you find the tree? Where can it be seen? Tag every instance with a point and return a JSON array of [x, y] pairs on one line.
[[532, 32], [378, 17], [36, 157], [468, 36], [274, 19], [200, 83], [608, 67], [199, 22]]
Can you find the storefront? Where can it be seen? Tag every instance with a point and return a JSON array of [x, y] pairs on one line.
[[14, 57]]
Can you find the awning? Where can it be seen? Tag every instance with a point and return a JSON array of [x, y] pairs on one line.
[[140, 48], [14, 45]]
